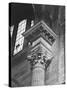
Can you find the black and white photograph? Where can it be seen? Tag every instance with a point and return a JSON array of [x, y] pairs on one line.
[[36, 45]]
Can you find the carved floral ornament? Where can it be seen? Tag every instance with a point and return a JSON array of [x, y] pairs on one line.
[[36, 58], [47, 35], [39, 58], [43, 33]]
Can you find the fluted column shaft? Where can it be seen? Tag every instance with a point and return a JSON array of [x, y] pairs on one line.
[[38, 69], [38, 75]]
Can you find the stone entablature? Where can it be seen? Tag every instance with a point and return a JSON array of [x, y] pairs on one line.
[[40, 30]]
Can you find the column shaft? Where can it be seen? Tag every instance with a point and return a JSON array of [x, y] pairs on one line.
[[38, 75]]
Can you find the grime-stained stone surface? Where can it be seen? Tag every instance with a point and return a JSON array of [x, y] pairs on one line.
[[53, 72]]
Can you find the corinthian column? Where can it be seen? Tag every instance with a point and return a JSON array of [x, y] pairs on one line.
[[38, 69]]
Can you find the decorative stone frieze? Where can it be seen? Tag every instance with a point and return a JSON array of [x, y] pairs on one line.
[[40, 30]]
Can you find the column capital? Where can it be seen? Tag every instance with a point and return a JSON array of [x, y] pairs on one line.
[[37, 60]]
